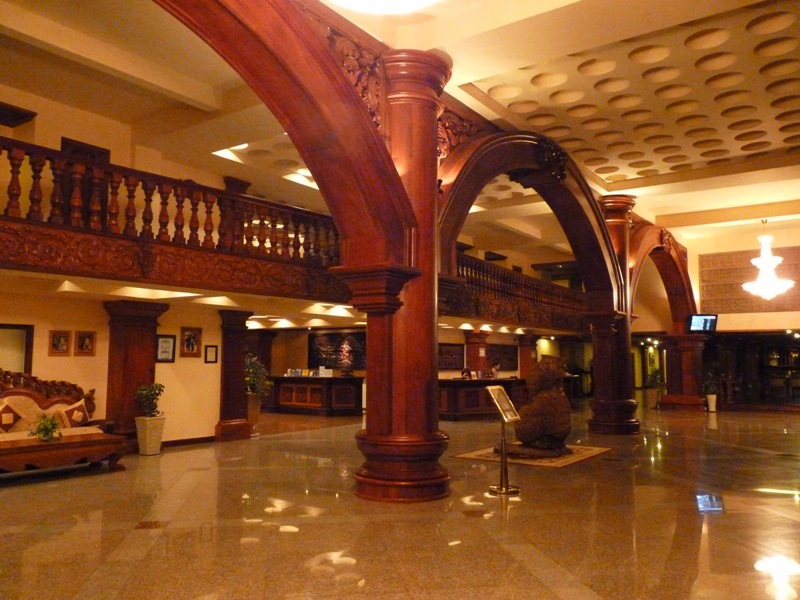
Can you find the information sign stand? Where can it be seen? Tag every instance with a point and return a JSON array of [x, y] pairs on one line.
[[508, 414]]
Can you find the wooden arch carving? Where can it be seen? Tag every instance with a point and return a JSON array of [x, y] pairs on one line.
[[275, 50], [536, 162], [667, 255]]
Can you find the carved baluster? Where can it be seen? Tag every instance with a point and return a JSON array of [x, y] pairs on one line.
[[194, 219], [317, 251], [147, 214], [248, 229], [208, 227], [37, 163], [273, 234], [286, 242], [262, 230], [236, 232], [180, 195], [223, 230], [298, 241], [335, 255], [164, 190], [95, 208], [56, 199], [131, 184], [114, 181], [75, 197], [15, 158]]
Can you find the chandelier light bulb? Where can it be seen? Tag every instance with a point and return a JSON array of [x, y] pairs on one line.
[[767, 284]]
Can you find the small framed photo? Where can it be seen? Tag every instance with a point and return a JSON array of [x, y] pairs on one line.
[[211, 354], [503, 403], [191, 342], [59, 343], [165, 348], [84, 343]]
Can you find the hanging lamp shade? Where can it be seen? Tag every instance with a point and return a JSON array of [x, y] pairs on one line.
[[767, 285]]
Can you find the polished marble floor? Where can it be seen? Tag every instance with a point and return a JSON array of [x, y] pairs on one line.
[[274, 517]]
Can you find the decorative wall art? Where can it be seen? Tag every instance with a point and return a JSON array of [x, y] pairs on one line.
[[84, 343], [59, 343], [165, 348], [191, 342], [211, 354], [343, 350], [506, 355], [451, 356]]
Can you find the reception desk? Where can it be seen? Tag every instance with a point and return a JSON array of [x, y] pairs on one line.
[[461, 399], [326, 396]]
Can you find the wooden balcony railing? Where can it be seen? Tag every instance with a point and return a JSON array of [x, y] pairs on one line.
[[45, 185], [509, 297]]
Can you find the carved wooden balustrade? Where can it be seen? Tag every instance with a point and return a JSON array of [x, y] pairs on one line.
[[45, 185], [505, 296]]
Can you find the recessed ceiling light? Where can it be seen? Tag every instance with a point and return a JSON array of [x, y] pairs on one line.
[[384, 7]]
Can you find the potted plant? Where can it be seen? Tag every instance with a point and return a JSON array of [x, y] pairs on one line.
[[257, 385], [710, 391], [150, 425], [46, 428]]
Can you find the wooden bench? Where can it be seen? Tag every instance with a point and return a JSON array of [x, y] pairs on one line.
[[84, 441]]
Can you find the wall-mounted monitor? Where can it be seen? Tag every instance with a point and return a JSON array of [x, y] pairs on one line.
[[702, 323]]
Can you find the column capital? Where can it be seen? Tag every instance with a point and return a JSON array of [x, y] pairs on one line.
[[376, 288]]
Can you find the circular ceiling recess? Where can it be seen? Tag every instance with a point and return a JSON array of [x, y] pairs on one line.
[[596, 66], [548, 80], [649, 54], [523, 106], [505, 92], [707, 38], [661, 74], [771, 23], [612, 85]]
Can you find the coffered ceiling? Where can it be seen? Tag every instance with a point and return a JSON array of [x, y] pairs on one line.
[[692, 107]]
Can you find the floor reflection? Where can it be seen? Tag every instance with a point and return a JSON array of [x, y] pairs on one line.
[[685, 509]]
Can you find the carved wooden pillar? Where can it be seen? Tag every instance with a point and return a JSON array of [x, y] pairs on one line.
[[527, 353], [233, 424], [131, 357], [476, 350], [684, 369], [611, 413], [402, 443], [613, 404]]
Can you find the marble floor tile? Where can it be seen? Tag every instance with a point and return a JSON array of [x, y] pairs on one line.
[[274, 517]]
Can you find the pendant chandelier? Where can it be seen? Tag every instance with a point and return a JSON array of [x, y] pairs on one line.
[[767, 284]]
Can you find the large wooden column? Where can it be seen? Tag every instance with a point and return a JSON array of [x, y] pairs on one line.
[[476, 351], [402, 442], [527, 353], [233, 423], [131, 357], [613, 404]]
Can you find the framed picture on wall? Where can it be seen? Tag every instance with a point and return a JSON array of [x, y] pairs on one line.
[[165, 348], [59, 343], [191, 342], [211, 354], [84, 343]]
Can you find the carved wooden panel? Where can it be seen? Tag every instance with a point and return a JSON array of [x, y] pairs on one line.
[[722, 275], [31, 247]]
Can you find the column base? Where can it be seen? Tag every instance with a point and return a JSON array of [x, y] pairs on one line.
[[233, 429], [614, 418], [402, 469]]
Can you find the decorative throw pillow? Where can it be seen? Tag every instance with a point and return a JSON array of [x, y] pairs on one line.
[[27, 409], [74, 415], [8, 417]]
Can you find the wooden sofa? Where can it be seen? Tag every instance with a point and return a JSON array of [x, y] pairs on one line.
[[83, 440]]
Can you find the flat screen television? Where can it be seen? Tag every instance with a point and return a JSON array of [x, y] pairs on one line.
[[702, 323]]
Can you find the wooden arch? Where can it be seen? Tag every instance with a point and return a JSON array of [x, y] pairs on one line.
[[274, 48], [657, 243], [535, 162]]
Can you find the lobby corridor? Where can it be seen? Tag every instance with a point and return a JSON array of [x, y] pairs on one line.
[[274, 517]]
